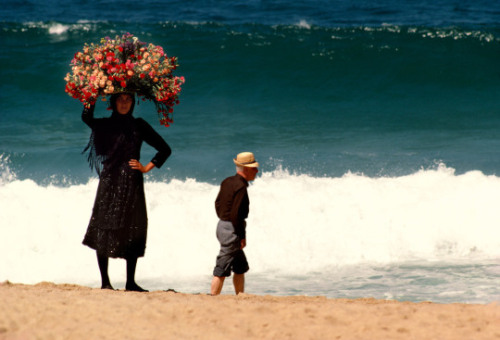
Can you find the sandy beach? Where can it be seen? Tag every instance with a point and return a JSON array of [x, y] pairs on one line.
[[64, 311]]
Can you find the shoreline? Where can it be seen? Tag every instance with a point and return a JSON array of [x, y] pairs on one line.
[[67, 311]]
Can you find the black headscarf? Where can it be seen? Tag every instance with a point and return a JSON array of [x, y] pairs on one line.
[[112, 139]]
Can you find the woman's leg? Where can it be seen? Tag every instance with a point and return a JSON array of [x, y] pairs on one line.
[[131, 285], [103, 262]]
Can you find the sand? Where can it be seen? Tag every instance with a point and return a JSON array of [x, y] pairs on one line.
[[64, 311]]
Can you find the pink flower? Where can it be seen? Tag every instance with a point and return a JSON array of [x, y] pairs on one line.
[[98, 69], [129, 65]]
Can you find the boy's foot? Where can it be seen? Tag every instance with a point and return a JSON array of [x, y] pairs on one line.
[[107, 286]]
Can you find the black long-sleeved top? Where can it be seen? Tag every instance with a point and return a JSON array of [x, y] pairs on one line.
[[232, 203], [146, 133]]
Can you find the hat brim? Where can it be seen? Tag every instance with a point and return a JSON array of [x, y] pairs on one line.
[[247, 165]]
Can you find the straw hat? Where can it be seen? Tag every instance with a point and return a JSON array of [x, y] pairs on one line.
[[246, 159]]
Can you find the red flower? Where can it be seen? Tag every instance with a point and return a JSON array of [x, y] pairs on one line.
[[108, 60]]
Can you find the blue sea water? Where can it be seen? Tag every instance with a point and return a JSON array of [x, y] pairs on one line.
[[375, 122]]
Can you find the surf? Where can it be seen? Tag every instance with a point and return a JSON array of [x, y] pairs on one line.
[[297, 223]]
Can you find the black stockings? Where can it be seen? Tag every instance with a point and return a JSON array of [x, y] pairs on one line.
[[103, 262]]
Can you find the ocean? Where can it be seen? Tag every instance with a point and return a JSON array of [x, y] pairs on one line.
[[376, 124]]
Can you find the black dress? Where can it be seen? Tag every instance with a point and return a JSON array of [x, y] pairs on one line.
[[118, 226]]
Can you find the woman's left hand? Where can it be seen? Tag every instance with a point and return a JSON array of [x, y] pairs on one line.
[[136, 165]]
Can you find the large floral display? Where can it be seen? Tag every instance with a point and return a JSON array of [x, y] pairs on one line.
[[125, 64]]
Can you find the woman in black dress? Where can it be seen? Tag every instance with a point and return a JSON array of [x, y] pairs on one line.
[[118, 226]]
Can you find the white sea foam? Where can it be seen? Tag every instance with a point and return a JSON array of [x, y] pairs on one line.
[[6, 174], [58, 29], [297, 224], [303, 24]]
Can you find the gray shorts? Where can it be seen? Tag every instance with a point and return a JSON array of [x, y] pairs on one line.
[[231, 257]]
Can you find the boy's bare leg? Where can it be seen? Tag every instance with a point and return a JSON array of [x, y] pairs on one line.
[[239, 283], [217, 283]]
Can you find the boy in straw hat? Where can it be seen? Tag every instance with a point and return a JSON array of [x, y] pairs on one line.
[[232, 207]]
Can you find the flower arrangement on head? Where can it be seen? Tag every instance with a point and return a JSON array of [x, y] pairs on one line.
[[125, 64]]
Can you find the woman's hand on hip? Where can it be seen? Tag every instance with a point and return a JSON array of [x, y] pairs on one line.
[[136, 165]]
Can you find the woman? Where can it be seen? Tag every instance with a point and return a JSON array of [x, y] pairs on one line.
[[118, 226]]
